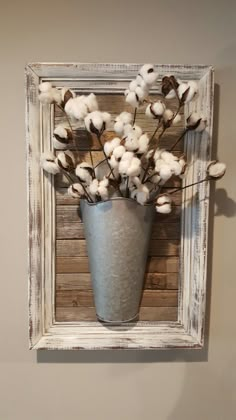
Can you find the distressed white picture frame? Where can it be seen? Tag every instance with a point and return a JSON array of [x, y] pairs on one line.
[[44, 331]]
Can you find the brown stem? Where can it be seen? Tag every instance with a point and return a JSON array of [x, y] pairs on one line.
[[108, 163], [73, 137], [135, 114], [154, 150], [68, 176], [178, 140], [127, 188], [190, 185]]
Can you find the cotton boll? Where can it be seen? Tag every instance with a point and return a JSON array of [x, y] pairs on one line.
[[66, 161], [171, 94], [155, 178], [135, 167], [187, 91], [141, 82], [196, 122], [169, 85], [76, 108], [143, 143], [159, 163], [108, 149], [202, 125], [127, 156], [157, 154], [142, 93], [182, 89], [176, 168], [125, 117], [48, 163], [216, 169], [61, 131], [123, 167], [167, 116], [176, 119], [76, 190], [103, 189], [46, 97], [84, 171], [155, 110], [167, 156], [163, 209], [164, 199], [106, 117], [148, 74], [141, 194], [45, 87], [94, 122], [91, 102], [66, 95], [119, 127], [165, 172], [93, 187], [125, 162], [193, 91], [138, 130], [131, 142], [133, 85], [132, 99], [56, 96], [109, 146], [118, 152], [61, 137], [163, 204], [113, 162]]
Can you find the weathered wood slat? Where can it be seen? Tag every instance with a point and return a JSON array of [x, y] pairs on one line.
[[77, 247], [62, 182], [71, 214], [65, 298], [85, 141], [75, 314], [75, 230], [80, 265], [62, 198], [82, 281]]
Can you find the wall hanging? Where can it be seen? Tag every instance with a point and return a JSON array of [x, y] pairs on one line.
[[119, 167]]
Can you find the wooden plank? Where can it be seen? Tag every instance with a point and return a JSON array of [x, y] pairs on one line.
[[80, 265], [71, 214], [77, 247], [85, 141], [82, 281], [62, 182], [75, 314], [62, 198], [83, 298], [75, 230]]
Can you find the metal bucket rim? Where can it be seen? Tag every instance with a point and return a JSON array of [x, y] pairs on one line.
[[117, 199]]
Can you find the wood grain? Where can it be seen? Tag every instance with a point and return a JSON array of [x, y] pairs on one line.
[[65, 298], [75, 230], [80, 265], [82, 281], [75, 314], [77, 247]]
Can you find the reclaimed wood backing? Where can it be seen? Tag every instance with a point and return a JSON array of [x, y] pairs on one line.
[[73, 291]]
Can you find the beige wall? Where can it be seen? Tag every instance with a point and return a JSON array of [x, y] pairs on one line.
[[171, 385]]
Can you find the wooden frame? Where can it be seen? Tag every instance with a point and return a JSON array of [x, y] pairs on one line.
[[44, 331]]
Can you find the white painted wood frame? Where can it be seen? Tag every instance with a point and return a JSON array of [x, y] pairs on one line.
[[44, 331]]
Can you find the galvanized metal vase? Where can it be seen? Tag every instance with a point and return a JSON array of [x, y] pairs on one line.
[[118, 235]]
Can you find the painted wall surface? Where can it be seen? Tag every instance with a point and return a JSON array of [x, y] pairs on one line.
[[167, 385]]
